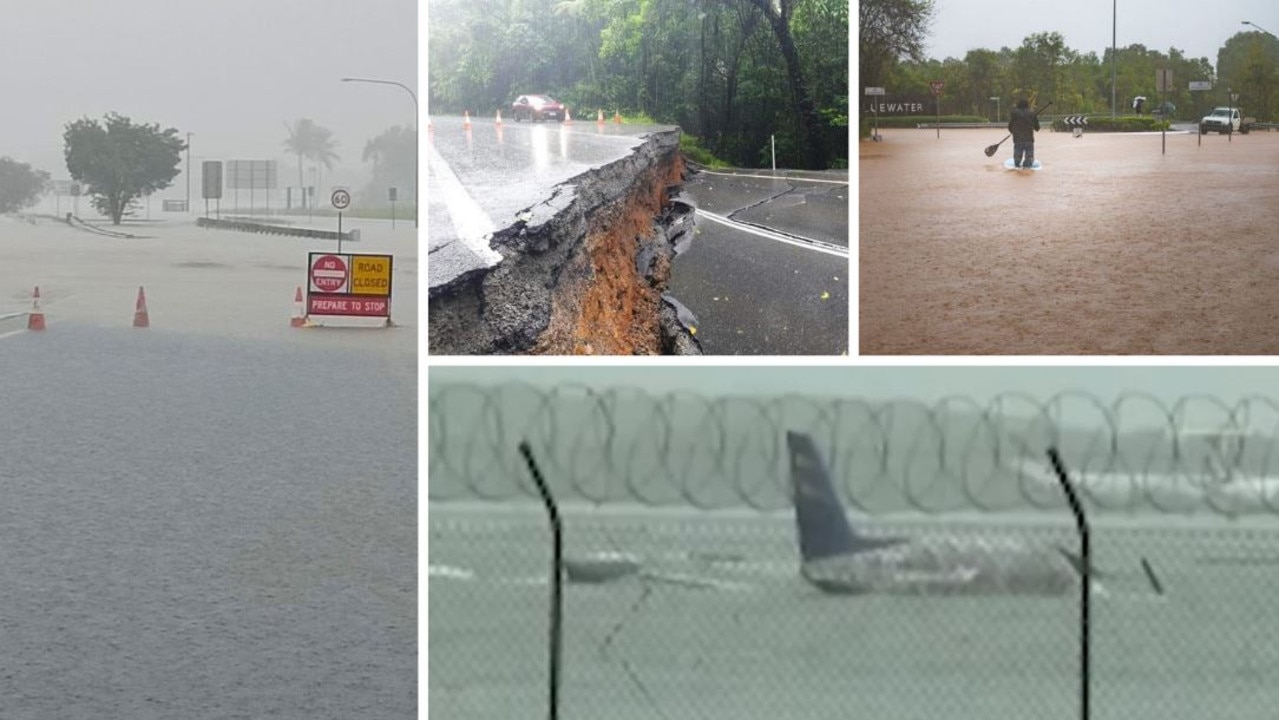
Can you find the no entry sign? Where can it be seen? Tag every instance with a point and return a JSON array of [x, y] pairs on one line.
[[328, 273]]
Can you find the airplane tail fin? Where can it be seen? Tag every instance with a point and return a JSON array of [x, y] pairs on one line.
[[823, 527]]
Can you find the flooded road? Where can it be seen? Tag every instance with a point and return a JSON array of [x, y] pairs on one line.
[[1112, 248], [212, 517]]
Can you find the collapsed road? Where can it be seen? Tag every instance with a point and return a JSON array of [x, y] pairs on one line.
[[561, 239]]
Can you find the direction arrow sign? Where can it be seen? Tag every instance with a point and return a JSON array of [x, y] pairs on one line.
[[341, 199], [1075, 120], [937, 85]]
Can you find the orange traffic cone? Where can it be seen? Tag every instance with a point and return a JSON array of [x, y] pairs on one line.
[[568, 117], [617, 118], [499, 117], [299, 315], [140, 317], [600, 117], [466, 119], [35, 319]]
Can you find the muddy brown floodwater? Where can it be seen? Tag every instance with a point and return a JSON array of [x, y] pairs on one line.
[[1111, 248]]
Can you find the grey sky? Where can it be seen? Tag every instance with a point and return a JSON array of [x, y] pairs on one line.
[[232, 72], [925, 383], [1195, 27]]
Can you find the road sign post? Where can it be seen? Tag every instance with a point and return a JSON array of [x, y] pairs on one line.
[[391, 192], [1163, 83], [874, 92], [1200, 86], [937, 86], [341, 200]]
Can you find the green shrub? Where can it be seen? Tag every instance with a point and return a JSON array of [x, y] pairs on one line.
[[688, 144], [910, 121]]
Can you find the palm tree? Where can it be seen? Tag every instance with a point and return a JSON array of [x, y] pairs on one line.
[[310, 142]]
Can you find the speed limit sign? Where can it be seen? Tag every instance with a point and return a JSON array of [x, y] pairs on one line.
[[341, 199]]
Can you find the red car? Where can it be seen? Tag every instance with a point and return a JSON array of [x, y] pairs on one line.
[[537, 107]]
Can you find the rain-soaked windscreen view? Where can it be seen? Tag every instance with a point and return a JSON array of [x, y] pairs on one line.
[[208, 333], [638, 177], [770, 542]]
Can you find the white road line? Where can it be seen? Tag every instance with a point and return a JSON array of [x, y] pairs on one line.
[[11, 333], [473, 225], [775, 177], [815, 245]]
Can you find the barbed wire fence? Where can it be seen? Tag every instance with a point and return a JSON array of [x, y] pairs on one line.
[[690, 496]]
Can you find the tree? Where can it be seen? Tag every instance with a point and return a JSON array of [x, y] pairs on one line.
[[310, 142], [20, 185], [393, 153], [118, 161], [890, 30]]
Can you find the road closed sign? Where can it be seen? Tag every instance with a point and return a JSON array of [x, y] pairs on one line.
[[349, 285]]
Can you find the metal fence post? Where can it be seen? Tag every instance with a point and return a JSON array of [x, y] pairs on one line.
[[1085, 585], [557, 577]]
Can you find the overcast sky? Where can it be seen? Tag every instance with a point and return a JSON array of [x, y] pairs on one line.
[[1196, 27], [232, 72], [925, 383]]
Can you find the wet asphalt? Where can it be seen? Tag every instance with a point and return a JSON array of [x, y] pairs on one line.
[[773, 280], [487, 175]]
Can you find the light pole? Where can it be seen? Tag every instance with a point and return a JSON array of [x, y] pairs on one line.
[[416, 210], [188, 206], [1114, 35], [1246, 22], [998, 114]]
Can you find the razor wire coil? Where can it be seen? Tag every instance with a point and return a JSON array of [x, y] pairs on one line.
[[625, 445]]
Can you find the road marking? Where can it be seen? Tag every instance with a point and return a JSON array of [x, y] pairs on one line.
[[797, 241], [11, 316], [775, 177], [473, 225]]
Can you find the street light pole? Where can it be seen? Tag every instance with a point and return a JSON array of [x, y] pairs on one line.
[[188, 205], [416, 209], [1114, 36], [1245, 22]]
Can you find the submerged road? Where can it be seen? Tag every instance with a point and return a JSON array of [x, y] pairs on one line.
[[481, 179], [767, 272]]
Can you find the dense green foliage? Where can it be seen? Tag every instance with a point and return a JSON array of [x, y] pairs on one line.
[[20, 185], [119, 161], [730, 72]]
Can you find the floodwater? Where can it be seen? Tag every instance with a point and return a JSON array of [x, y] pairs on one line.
[[749, 639], [218, 282], [212, 517], [1114, 247]]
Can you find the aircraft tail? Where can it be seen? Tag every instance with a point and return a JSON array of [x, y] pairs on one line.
[[824, 530]]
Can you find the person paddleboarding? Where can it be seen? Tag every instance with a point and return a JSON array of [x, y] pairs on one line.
[[1023, 124]]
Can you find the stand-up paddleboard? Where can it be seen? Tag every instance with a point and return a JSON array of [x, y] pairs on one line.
[[1008, 165]]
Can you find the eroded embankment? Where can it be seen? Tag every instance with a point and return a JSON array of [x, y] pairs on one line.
[[582, 272]]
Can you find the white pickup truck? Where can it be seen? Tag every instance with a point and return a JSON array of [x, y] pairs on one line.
[[1224, 120]]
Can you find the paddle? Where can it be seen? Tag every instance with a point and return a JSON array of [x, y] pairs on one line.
[[992, 149]]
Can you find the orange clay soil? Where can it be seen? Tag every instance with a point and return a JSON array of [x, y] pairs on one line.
[[617, 312], [1111, 248]]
